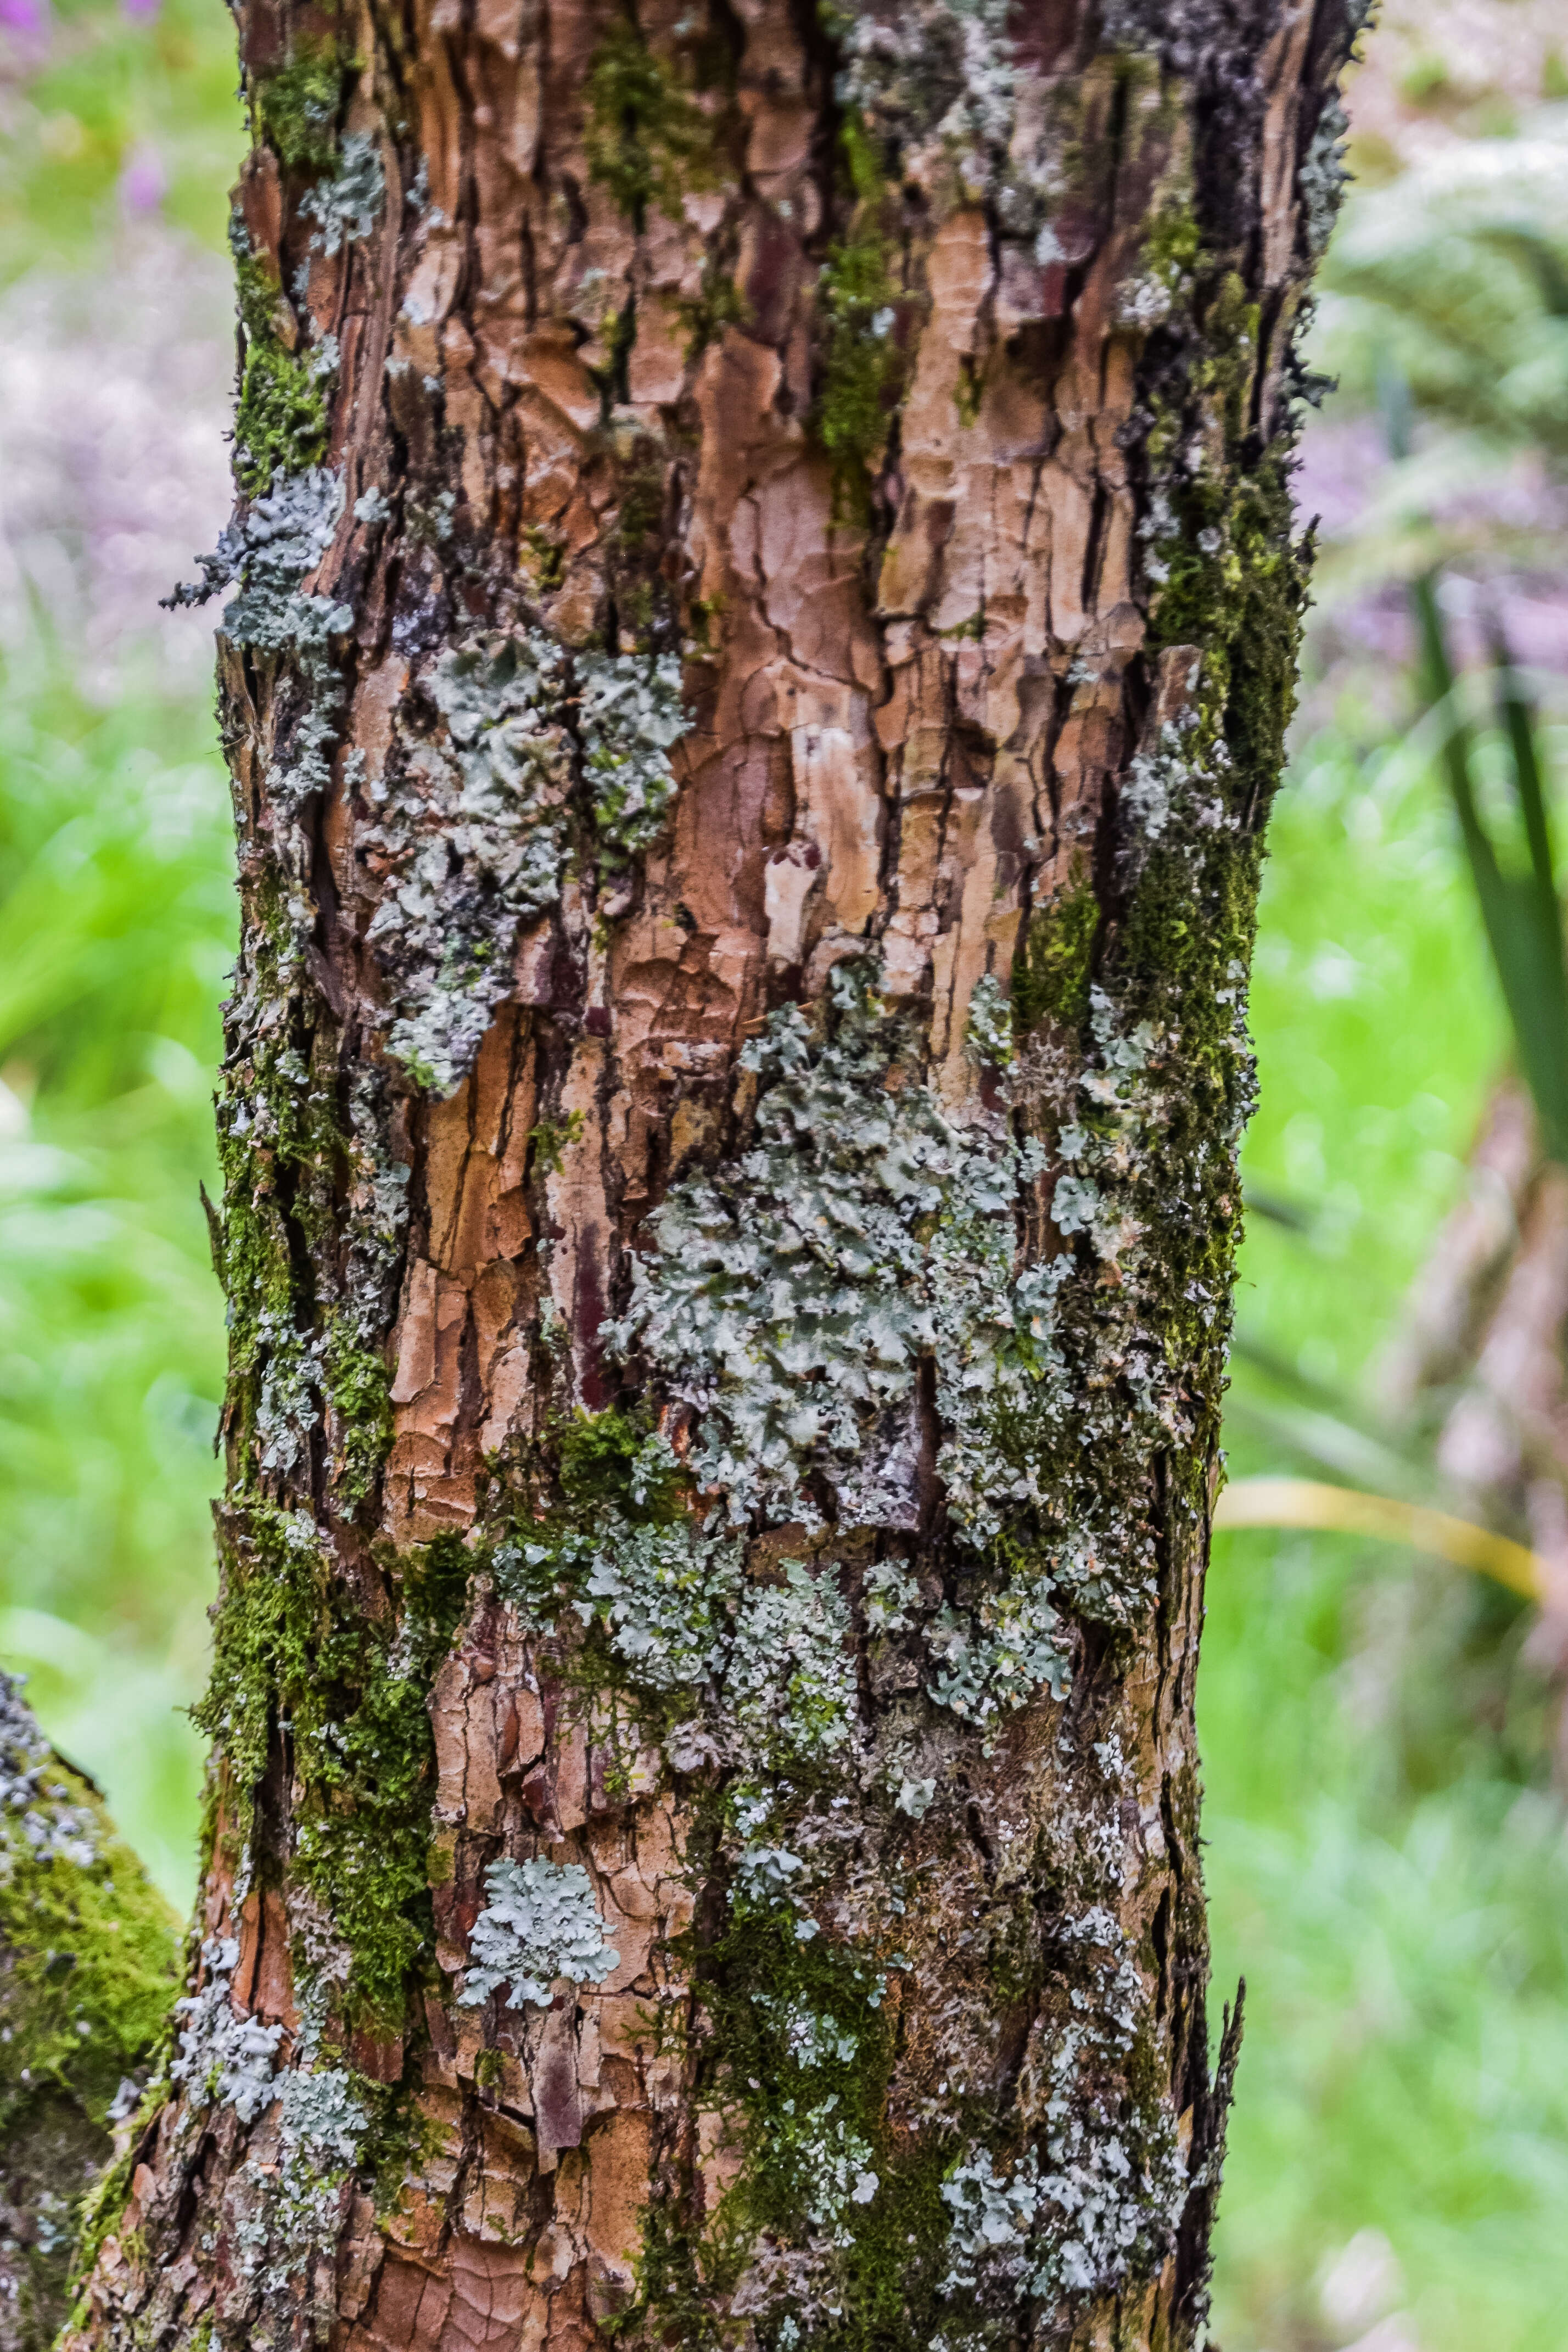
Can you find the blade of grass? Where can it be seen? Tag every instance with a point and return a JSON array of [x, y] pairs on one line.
[[1308, 1503], [1520, 912]]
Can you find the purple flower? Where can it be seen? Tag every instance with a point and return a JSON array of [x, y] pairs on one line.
[[142, 179]]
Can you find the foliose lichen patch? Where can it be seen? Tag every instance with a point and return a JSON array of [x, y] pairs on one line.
[[223, 2059], [542, 758], [540, 1922], [347, 207]]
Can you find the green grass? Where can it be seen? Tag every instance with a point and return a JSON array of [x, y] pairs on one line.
[[1378, 1027], [109, 87], [1383, 1863], [118, 920], [1405, 2062]]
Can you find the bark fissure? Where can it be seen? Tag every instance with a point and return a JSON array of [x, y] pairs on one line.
[[748, 735]]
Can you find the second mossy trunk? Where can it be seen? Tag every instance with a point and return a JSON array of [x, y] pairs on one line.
[[764, 614], [88, 1956]]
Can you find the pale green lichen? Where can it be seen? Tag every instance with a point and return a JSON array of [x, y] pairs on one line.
[[1101, 2196], [287, 2201], [629, 716], [791, 1299], [543, 756], [540, 1923], [1321, 178], [267, 553], [770, 1664], [223, 2060], [990, 1031], [347, 207], [666, 1596], [938, 77], [496, 792], [789, 1680], [998, 1655], [937, 92], [794, 1299]]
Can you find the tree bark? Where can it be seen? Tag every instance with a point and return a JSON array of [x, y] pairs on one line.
[[765, 617]]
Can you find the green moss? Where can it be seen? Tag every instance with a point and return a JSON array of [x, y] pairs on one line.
[[593, 1468], [551, 1138], [594, 1454], [796, 2045], [282, 1150], [297, 108], [647, 142], [548, 556], [89, 1972], [862, 364], [298, 1655], [359, 1397], [1173, 247], [490, 2069], [1235, 586], [1055, 958], [101, 2208], [718, 303], [280, 419]]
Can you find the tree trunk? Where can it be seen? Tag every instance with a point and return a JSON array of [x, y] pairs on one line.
[[765, 620], [1477, 1371], [86, 1973]]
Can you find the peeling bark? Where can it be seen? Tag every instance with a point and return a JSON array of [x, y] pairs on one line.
[[764, 621]]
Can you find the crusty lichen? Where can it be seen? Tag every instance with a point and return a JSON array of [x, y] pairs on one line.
[[542, 758], [347, 207], [800, 1302]]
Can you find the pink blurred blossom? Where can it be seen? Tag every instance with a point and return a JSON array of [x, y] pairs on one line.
[[141, 12], [143, 182], [115, 389], [30, 18]]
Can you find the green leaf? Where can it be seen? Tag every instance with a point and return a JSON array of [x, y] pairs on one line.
[[1520, 910]]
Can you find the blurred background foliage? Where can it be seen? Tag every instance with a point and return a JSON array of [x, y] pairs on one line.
[[1386, 1847]]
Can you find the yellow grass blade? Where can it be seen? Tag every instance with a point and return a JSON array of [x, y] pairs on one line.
[[1309, 1503]]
